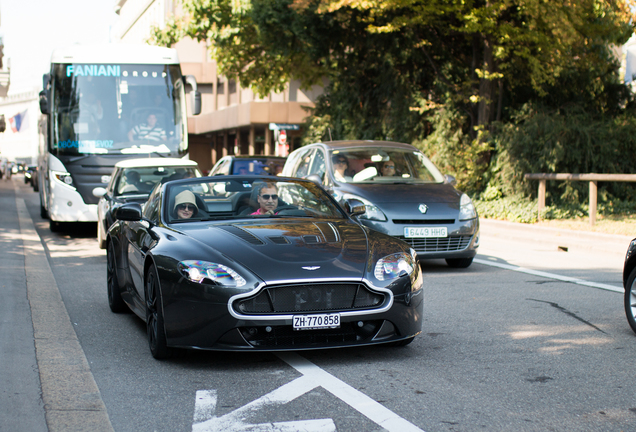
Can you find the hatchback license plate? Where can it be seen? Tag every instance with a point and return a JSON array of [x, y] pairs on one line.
[[425, 232], [317, 321]]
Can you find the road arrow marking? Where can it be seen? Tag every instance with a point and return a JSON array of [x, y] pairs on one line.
[[205, 419]]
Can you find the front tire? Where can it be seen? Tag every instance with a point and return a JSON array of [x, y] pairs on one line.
[[115, 301], [459, 262], [55, 226], [154, 317], [630, 300], [101, 240]]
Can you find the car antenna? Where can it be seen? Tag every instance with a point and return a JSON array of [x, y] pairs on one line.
[[330, 138]]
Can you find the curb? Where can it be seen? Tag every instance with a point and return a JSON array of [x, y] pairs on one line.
[[557, 238]]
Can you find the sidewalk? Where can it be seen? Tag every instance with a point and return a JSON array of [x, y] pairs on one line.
[[554, 237]]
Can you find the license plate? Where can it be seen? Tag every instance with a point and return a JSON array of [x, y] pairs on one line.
[[425, 232], [317, 321]]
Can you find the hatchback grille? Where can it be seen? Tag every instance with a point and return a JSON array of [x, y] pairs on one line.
[[310, 298], [430, 245]]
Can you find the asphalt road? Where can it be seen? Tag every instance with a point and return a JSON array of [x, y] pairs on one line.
[[528, 338]]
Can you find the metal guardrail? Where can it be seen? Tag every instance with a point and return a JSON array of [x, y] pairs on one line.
[[592, 178]]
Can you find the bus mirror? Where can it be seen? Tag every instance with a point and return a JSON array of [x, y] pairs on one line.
[[196, 102], [3, 123], [196, 94], [44, 103]]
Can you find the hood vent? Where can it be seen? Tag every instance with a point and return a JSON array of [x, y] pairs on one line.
[[329, 232], [242, 234], [279, 240], [311, 239]]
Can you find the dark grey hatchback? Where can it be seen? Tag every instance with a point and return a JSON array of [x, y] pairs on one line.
[[404, 193]]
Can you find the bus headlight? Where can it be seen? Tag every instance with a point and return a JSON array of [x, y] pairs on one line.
[[63, 177]]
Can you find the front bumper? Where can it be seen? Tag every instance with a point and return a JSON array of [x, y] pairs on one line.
[[462, 241], [201, 324]]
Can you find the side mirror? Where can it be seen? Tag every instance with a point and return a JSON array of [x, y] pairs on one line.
[[99, 192], [450, 180], [195, 94], [44, 103], [314, 178], [129, 212], [355, 207]]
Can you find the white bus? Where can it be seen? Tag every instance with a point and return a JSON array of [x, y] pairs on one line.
[[102, 104]]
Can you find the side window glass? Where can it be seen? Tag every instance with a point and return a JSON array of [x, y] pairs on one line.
[[151, 211], [318, 166], [224, 168], [303, 165]]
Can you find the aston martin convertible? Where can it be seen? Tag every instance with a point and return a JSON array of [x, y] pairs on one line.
[[249, 263]]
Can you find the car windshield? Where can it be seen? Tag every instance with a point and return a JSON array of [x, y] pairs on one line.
[[383, 165], [141, 180], [258, 166], [220, 198]]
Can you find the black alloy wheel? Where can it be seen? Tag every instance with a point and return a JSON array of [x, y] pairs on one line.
[[115, 301], [630, 300], [154, 317]]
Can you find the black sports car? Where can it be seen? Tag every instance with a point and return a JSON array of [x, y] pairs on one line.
[[246, 263]]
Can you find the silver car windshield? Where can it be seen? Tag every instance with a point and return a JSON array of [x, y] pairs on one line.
[[212, 198], [383, 165]]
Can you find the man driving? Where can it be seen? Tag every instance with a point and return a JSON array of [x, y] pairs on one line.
[[148, 131], [267, 199]]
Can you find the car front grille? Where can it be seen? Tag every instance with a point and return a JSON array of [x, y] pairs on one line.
[[322, 297], [432, 245], [286, 337]]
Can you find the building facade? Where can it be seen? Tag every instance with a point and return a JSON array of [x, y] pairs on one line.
[[19, 141], [233, 119]]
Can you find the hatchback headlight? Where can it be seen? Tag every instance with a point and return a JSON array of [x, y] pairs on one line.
[[372, 212], [211, 273], [394, 266], [466, 208]]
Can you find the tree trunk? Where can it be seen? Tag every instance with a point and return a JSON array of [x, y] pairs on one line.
[[486, 85]]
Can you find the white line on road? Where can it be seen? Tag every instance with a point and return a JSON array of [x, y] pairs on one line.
[[551, 276], [359, 401]]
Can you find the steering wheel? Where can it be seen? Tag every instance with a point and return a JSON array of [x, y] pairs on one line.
[[284, 207]]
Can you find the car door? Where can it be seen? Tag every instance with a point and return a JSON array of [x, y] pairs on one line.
[[139, 240]]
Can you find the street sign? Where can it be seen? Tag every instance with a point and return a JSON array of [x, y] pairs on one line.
[[283, 126]]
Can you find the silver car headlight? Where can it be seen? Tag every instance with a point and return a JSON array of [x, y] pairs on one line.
[[208, 272], [466, 208], [394, 266], [372, 212]]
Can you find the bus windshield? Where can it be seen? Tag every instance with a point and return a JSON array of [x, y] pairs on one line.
[[117, 109]]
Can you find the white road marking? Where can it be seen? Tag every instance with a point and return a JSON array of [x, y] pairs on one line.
[[238, 420], [356, 399], [551, 275], [312, 377]]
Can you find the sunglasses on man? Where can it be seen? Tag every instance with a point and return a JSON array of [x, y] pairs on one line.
[[268, 197]]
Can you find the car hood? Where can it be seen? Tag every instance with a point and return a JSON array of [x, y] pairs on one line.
[[277, 250], [401, 192]]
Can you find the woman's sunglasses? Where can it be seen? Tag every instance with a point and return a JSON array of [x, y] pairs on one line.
[[186, 207]]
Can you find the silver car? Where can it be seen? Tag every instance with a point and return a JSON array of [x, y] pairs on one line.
[[404, 193]]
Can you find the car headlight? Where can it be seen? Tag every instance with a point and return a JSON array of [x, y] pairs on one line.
[[372, 212], [63, 177], [466, 208], [207, 272], [394, 266]]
